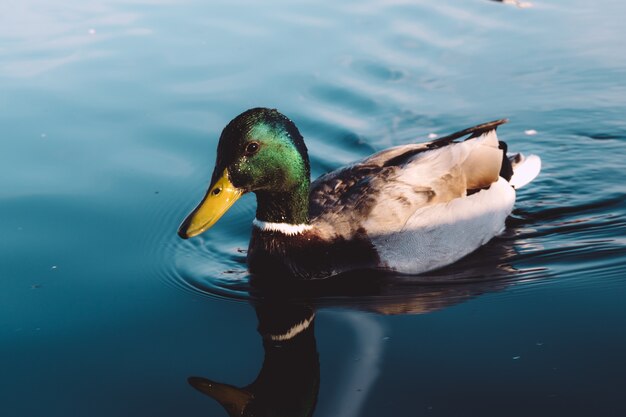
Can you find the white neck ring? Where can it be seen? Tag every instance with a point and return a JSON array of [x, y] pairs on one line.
[[284, 228]]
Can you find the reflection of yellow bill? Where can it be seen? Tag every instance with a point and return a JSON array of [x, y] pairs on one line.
[[233, 399], [217, 201]]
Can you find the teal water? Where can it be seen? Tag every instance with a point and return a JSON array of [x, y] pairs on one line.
[[110, 113]]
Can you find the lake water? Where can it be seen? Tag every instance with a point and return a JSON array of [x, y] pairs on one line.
[[110, 113]]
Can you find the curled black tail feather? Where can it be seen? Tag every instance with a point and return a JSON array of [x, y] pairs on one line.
[[506, 170]]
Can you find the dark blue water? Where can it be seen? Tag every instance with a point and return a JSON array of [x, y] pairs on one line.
[[110, 113]]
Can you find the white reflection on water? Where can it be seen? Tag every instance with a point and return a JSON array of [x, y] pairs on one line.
[[357, 381]]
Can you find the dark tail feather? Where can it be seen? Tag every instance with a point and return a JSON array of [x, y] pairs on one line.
[[506, 170], [475, 131]]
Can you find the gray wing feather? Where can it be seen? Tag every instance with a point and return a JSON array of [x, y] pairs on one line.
[[379, 193]]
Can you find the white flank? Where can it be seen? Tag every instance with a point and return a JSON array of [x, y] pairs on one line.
[[285, 228], [294, 331], [440, 234], [525, 171]]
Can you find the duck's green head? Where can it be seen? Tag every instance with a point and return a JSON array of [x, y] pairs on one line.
[[259, 151]]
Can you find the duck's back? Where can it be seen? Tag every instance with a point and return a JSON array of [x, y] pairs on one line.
[[380, 193], [422, 206]]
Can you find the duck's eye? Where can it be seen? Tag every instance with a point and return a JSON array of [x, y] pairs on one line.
[[252, 148]]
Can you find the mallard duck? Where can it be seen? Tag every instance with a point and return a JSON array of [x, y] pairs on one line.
[[407, 209]]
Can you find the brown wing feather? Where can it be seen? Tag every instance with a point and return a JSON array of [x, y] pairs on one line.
[[375, 187]]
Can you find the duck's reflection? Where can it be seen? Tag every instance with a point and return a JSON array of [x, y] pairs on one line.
[[289, 379], [288, 382]]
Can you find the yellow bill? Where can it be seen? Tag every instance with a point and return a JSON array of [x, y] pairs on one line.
[[217, 201]]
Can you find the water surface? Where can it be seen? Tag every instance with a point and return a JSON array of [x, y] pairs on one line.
[[110, 113]]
